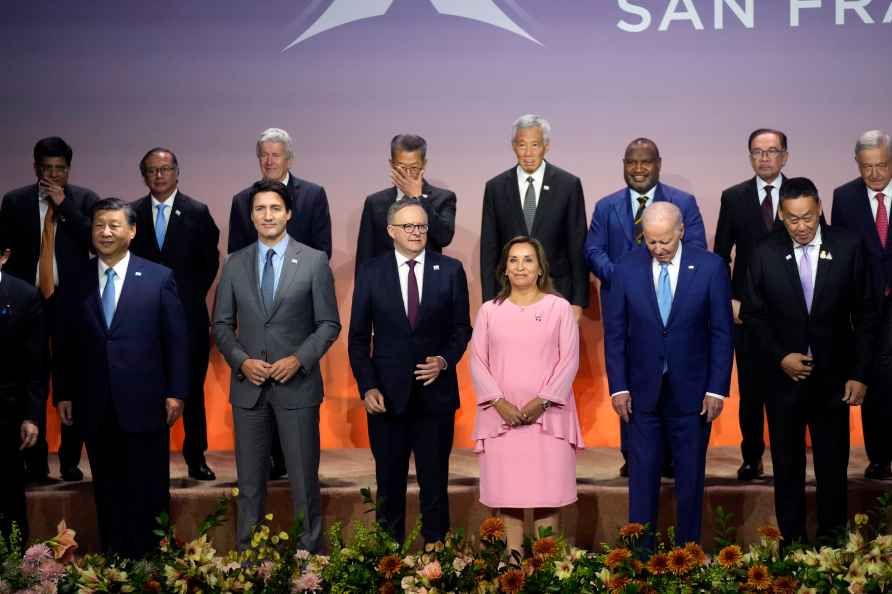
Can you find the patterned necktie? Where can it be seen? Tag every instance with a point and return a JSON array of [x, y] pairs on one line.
[[160, 225], [664, 293], [882, 219], [108, 297], [529, 205], [805, 276], [412, 298], [639, 229], [768, 208], [268, 281], [45, 279]]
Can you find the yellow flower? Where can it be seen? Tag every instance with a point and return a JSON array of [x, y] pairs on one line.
[[268, 517], [235, 491], [861, 519], [283, 535]]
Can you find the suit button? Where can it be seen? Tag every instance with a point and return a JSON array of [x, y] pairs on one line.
[[665, 333]]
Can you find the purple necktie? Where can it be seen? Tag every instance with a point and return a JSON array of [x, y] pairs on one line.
[[768, 208], [805, 276], [412, 294]]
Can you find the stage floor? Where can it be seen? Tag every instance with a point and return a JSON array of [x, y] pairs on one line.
[[602, 507]]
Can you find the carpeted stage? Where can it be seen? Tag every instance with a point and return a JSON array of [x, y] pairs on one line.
[[601, 509]]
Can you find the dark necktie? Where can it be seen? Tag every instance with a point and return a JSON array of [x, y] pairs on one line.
[[768, 208], [639, 229], [412, 297], [529, 205], [268, 281]]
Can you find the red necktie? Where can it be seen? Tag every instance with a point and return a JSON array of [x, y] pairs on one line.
[[768, 208], [882, 219], [412, 297]]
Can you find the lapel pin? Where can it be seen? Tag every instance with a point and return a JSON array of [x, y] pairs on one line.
[[294, 260], [789, 256], [545, 188], [691, 267], [137, 273], [436, 266], [178, 212]]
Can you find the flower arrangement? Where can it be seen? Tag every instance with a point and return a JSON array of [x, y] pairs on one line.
[[371, 561]]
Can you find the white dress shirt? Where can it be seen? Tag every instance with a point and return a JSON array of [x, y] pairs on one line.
[[538, 177], [813, 255], [167, 211], [121, 275], [887, 200], [775, 191], [633, 196], [402, 269], [43, 207]]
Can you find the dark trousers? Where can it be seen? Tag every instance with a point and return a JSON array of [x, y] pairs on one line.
[[12, 496], [791, 408], [131, 486], [195, 442], [429, 437], [751, 411], [876, 411], [688, 436]]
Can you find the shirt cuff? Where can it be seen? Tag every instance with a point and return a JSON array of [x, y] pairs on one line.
[[620, 392], [719, 396]]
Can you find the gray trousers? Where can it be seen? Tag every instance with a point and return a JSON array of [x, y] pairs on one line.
[[299, 434]]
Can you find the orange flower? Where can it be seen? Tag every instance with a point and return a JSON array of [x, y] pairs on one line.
[[533, 564], [617, 584], [730, 556], [637, 565], [758, 578], [785, 585], [492, 529], [644, 587], [545, 547], [387, 588], [63, 544], [617, 556], [632, 530], [512, 581], [658, 564], [770, 532], [389, 566], [696, 553], [152, 586], [681, 562]]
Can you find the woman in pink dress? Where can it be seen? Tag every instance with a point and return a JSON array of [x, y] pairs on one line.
[[524, 356]]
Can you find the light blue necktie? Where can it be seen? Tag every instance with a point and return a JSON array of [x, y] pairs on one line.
[[108, 297], [268, 281], [664, 293], [160, 225]]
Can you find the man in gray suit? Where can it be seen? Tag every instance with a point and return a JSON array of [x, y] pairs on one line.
[[276, 316]]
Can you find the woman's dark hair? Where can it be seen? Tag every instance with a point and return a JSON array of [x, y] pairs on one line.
[[543, 282]]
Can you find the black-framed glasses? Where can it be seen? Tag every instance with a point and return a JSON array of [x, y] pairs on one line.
[[164, 171], [47, 169], [413, 228], [771, 153]]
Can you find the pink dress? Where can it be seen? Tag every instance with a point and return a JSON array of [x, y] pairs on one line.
[[520, 353]]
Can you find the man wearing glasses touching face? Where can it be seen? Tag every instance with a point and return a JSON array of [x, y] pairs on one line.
[[408, 161], [47, 228]]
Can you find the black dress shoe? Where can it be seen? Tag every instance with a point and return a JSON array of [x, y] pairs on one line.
[[878, 471], [277, 471], [72, 475], [668, 471], [37, 478], [201, 472], [624, 470], [750, 472]]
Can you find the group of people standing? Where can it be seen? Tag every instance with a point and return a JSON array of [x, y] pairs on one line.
[[125, 337]]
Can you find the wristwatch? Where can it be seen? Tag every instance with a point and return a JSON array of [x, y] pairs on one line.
[[546, 404]]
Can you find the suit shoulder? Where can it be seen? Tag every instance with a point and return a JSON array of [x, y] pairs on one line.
[[381, 196], [17, 286], [500, 178], [611, 199], [28, 191], [741, 189], [707, 258], [194, 203], [562, 174], [444, 260], [676, 194], [307, 251], [636, 257], [841, 236], [150, 268], [242, 196], [308, 186], [851, 187], [82, 192]]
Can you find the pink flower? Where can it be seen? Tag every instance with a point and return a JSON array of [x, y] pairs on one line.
[[432, 571], [307, 582], [302, 555], [265, 570], [51, 570], [34, 556]]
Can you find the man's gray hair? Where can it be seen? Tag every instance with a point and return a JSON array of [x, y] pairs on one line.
[[872, 139], [531, 120], [276, 135], [662, 211], [400, 205]]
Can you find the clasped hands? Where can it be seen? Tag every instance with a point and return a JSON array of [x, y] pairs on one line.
[[514, 416], [281, 371], [799, 367]]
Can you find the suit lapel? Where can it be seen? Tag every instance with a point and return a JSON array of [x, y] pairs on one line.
[[392, 280], [129, 291], [867, 219], [32, 208], [686, 272], [430, 287], [625, 215], [822, 276], [786, 252], [144, 222], [512, 195], [255, 278], [290, 266], [651, 292], [173, 223], [542, 208], [91, 298]]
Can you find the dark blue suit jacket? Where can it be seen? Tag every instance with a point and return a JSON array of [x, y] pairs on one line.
[[134, 365], [612, 232], [387, 359], [696, 342]]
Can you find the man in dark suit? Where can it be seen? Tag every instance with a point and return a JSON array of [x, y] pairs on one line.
[[616, 229], [310, 223], [47, 227], [862, 206], [178, 232], [811, 312], [125, 378], [748, 213], [24, 375], [408, 161], [409, 327], [668, 347], [537, 199], [276, 316]]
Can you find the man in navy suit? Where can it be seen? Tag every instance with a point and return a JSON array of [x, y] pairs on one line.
[[177, 231], [47, 228], [862, 206], [409, 327], [668, 346], [616, 225], [310, 223], [125, 378]]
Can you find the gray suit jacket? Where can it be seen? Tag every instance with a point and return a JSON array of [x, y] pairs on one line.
[[303, 321]]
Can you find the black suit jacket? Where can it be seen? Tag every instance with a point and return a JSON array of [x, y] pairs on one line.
[[560, 225], [20, 231], [841, 327], [851, 210], [373, 239], [24, 358], [741, 226], [190, 250], [384, 349], [310, 221]]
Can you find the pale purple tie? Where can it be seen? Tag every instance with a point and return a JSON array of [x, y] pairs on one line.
[[805, 276]]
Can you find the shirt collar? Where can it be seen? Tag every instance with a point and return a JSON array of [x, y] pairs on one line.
[[887, 192], [278, 249], [649, 194], [816, 242], [168, 202], [775, 184], [401, 259], [537, 175], [120, 268]]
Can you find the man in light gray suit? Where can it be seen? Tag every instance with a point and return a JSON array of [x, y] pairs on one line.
[[276, 316]]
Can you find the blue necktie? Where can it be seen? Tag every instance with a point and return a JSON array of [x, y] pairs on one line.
[[268, 281], [108, 297], [160, 225], [664, 293]]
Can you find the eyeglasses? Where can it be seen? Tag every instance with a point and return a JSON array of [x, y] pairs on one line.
[[771, 153], [410, 169], [47, 169], [413, 228], [164, 171]]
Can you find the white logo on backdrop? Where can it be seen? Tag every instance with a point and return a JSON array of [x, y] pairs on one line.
[[341, 12]]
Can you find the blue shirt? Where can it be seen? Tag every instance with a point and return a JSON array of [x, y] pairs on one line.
[[278, 260]]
